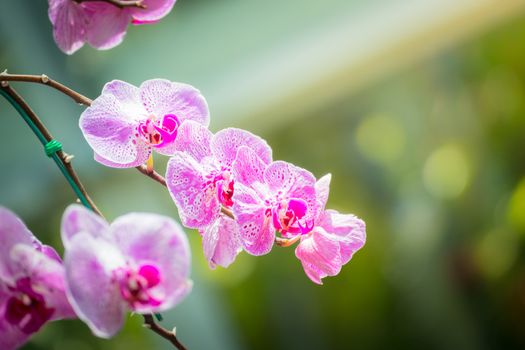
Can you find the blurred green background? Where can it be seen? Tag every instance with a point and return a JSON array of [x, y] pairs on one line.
[[416, 107]]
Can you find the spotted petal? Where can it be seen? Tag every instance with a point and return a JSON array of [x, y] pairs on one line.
[[161, 97], [197, 204], [194, 139], [256, 232], [227, 142], [248, 168], [109, 126]]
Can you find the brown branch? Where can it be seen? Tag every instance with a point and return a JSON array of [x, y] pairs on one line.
[[152, 174], [45, 80], [65, 159], [149, 322], [284, 242], [119, 3]]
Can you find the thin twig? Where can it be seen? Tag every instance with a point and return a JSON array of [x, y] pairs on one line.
[[152, 174], [149, 322], [65, 159], [119, 3], [45, 80], [285, 242]]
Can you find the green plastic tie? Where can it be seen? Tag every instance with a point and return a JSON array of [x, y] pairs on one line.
[[52, 147]]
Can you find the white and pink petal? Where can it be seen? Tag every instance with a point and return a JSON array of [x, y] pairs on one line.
[[320, 255], [77, 219], [96, 299], [194, 139], [255, 228], [194, 196], [161, 97], [110, 129], [221, 242], [248, 168], [227, 142]]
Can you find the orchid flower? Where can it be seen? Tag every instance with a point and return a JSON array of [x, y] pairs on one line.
[[332, 241], [140, 263], [32, 287], [126, 123], [99, 23], [200, 180], [277, 197]]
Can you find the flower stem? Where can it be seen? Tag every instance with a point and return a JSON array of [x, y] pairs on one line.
[[62, 160], [149, 322], [45, 80]]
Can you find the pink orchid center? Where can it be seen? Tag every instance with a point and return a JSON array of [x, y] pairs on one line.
[[26, 309], [220, 181], [225, 189], [135, 285], [159, 132], [288, 217]]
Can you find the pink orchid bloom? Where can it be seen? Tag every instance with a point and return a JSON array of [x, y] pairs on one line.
[[200, 181], [140, 262], [32, 287], [333, 240], [277, 197], [125, 123], [99, 23]]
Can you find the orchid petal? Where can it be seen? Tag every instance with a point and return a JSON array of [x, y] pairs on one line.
[[69, 24], [256, 232], [12, 231], [221, 242], [107, 24], [227, 142], [110, 129], [320, 256], [77, 219], [194, 139], [161, 97], [248, 168], [349, 230], [185, 179], [89, 263]]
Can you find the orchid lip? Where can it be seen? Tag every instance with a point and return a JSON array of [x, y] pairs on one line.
[[159, 133], [135, 285], [27, 309], [287, 215]]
